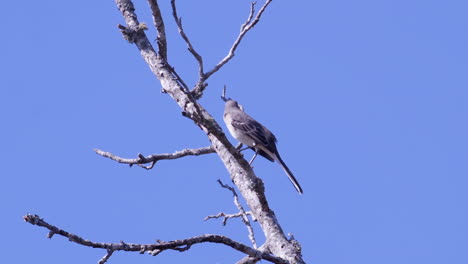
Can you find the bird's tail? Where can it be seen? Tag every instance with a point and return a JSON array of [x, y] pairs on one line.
[[289, 173]]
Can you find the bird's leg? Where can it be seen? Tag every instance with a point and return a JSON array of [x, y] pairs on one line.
[[244, 148], [253, 158], [239, 146], [240, 149]]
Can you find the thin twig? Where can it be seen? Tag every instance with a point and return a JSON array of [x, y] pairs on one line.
[[106, 257], [179, 79], [201, 85], [227, 216], [243, 213], [251, 14], [223, 95], [192, 50], [141, 160], [249, 24], [179, 245]]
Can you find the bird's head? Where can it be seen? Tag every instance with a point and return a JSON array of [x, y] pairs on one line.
[[232, 104]]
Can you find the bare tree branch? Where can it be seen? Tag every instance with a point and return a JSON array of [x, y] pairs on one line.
[[200, 85], [179, 79], [250, 186], [192, 50], [253, 260], [106, 257], [159, 24], [251, 14], [242, 175], [156, 157], [197, 92], [249, 24], [244, 217], [161, 38], [179, 245], [135, 28], [228, 216]]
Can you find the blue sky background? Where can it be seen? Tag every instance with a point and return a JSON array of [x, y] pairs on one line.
[[367, 98]]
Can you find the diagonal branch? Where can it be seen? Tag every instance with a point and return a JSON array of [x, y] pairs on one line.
[[161, 38], [179, 245], [242, 175], [156, 157], [178, 21], [242, 212], [201, 85], [159, 24], [248, 25], [106, 257]]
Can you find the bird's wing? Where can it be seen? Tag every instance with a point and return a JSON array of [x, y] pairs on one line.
[[252, 128]]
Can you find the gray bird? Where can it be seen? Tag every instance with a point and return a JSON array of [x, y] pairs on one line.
[[253, 134]]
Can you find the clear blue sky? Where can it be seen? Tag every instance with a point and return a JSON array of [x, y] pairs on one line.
[[367, 98]]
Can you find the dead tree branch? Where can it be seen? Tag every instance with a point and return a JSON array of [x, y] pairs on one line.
[[248, 25], [201, 84], [253, 260], [250, 186], [159, 24], [192, 50], [179, 245], [242, 176], [244, 217], [241, 214], [106, 257], [141, 160], [227, 216]]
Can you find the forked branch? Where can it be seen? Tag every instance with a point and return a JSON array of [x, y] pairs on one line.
[[242, 212], [201, 84], [248, 25]]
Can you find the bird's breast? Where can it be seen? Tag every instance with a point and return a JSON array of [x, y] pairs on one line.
[[237, 134]]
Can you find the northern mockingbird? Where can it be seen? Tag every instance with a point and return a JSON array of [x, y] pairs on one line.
[[253, 134]]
